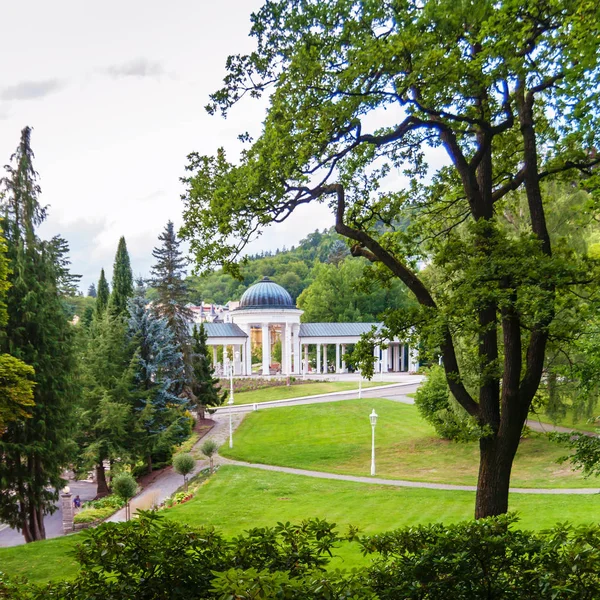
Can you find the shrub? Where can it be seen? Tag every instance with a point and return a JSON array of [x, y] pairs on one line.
[[437, 406], [487, 558], [209, 449], [184, 464]]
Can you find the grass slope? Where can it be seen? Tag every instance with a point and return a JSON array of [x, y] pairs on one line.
[[283, 392], [336, 437], [238, 498]]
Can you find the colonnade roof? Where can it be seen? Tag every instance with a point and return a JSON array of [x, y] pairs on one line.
[[336, 329], [223, 330]]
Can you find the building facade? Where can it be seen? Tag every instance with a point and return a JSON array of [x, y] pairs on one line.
[[266, 315]]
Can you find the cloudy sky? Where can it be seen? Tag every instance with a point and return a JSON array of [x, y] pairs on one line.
[[115, 93]]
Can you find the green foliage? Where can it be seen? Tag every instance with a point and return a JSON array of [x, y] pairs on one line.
[[152, 558], [206, 388], [360, 96], [90, 515], [184, 464], [124, 486], [122, 281], [585, 449], [105, 421], [290, 268], [487, 558], [437, 406], [36, 451], [16, 390], [209, 448], [343, 292], [171, 292], [103, 295]]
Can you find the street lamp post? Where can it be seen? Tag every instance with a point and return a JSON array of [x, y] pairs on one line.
[[230, 404], [373, 418]]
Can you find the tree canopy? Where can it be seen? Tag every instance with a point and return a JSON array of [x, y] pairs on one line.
[[418, 122]]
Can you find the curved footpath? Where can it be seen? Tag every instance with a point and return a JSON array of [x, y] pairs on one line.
[[166, 485]]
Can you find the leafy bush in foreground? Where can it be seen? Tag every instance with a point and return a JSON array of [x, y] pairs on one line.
[[153, 558]]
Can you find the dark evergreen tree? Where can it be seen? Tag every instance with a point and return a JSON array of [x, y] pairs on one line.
[[158, 371], [35, 451], [92, 291], [66, 282], [104, 419], [168, 279], [122, 281], [205, 387], [103, 294]]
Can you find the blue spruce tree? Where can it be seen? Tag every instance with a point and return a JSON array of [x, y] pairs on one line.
[[157, 376]]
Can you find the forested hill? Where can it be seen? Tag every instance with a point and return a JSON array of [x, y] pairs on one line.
[[320, 275]]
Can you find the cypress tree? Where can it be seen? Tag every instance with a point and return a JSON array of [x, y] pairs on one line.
[[122, 281], [168, 279], [92, 293], [35, 451], [103, 294], [205, 387]]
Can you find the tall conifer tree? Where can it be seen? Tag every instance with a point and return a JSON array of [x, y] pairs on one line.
[[103, 294], [168, 279], [122, 281], [157, 373], [206, 388], [92, 293], [35, 451]]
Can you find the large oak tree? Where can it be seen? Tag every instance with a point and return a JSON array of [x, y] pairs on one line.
[[365, 97]]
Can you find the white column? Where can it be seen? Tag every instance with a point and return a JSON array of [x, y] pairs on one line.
[[248, 353], [237, 359], [402, 356], [225, 359], [413, 363], [325, 358], [287, 342], [266, 350], [297, 349], [377, 365], [318, 358], [344, 370], [215, 357], [337, 358], [384, 361], [305, 358]]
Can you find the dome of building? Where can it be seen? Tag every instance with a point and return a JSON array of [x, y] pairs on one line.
[[266, 294]]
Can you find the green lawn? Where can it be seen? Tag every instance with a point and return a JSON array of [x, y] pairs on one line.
[[237, 498], [282, 392], [41, 561], [336, 437], [568, 421]]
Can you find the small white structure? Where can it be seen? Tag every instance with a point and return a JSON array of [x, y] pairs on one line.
[[266, 315]]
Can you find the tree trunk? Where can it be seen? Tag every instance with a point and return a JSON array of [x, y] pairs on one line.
[[495, 465], [102, 489], [149, 463]]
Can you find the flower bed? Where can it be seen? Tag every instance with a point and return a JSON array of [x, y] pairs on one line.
[[98, 510], [258, 383]]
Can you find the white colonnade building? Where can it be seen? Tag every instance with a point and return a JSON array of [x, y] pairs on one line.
[[266, 315]]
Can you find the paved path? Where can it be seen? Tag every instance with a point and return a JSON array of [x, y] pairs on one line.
[[402, 482], [168, 482], [395, 391], [53, 522]]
